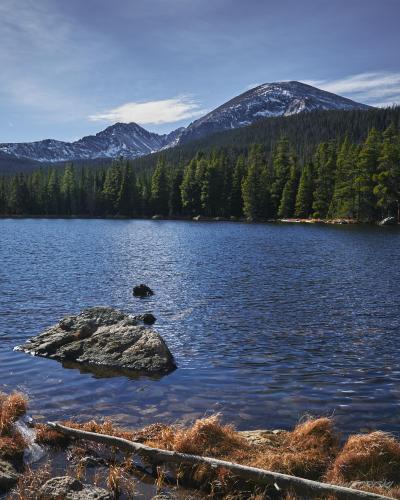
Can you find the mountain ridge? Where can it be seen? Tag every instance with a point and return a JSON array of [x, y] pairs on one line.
[[130, 140], [265, 101]]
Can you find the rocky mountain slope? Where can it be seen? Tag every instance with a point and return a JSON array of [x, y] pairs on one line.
[[130, 140], [267, 100], [121, 139]]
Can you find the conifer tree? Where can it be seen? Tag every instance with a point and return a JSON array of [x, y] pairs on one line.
[[175, 198], [281, 171], [211, 189], [190, 189], [128, 197], [304, 197], [288, 200], [111, 188], [18, 196], [237, 179], [387, 189], [68, 190], [160, 189], [325, 163], [343, 203], [367, 166], [52, 195], [254, 190]]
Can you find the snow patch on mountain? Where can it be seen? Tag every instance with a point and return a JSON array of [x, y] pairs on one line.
[[130, 140], [267, 100]]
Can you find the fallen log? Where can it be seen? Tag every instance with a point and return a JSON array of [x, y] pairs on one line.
[[298, 485]]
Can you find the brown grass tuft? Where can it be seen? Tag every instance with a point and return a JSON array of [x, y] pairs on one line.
[[12, 407], [45, 435], [306, 451], [367, 457], [105, 427], [207, 436], [12, 443], [12, 447]]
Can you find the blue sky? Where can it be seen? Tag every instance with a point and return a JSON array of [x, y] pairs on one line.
[[71, 68]]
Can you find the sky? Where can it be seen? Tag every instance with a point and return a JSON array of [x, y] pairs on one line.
[[72, 68]]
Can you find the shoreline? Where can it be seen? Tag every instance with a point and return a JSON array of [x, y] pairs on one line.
[[65, 459], [200, 218]]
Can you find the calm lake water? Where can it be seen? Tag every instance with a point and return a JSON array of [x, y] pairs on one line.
[[266, 322]]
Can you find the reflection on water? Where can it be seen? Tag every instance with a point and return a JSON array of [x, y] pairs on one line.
[[107, 372], [267, 322]]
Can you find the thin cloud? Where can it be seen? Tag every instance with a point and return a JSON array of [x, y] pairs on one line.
[[380, 88], [152, 112], [40, 49]]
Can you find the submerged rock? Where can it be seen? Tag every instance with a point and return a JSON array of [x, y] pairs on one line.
[[104, 337], [147, 318], [69, 488], [142, 291], [8, 476]]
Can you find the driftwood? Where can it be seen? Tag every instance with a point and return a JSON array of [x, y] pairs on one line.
[[303, 487]]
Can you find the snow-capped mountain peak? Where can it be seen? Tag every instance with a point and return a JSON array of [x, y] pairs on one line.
[[121, 139], [267, 100], [130, 140]]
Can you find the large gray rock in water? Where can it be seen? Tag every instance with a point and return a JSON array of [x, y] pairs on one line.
[[8, 476], [68, 488], [104, 337]]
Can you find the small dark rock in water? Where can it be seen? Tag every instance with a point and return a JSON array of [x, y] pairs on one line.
[[389, 221], [147, 318], [104, 337], [72, 489], [8, 476], [142, 291]]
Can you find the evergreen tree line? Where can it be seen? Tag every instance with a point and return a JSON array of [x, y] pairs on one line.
[[304, 131], [339, 179]]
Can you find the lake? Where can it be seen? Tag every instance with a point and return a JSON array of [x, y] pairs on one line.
[[267, 322]]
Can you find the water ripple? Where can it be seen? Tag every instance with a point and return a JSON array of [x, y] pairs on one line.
[[266, 322]]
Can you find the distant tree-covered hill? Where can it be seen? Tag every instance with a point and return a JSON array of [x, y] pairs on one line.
[[303, 131]]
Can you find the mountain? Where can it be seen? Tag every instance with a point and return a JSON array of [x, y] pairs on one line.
[[267, 100], [130, 140], [121, 139]]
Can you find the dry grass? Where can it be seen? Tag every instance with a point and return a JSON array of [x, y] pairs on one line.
[[12, 407], [205, 437], [311, 450], [45, 435], [370, 458], [306, 451], [114, 479], [12, 443], [30, 483], [12, 448]]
